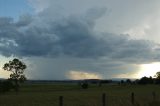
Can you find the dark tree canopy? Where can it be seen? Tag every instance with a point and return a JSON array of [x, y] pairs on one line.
[[146, 80], [16, 67], [157, 75]]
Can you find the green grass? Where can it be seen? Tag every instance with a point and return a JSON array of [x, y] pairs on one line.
[[48, 94]]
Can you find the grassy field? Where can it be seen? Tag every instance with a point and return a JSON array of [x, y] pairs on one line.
[[48, 94]]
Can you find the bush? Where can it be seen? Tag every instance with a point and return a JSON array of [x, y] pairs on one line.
[[84, 85], [5, 86]]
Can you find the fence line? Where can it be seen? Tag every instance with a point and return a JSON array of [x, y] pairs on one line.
[[104, 103]]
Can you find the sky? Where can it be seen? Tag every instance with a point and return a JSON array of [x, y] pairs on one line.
[[79, 39]]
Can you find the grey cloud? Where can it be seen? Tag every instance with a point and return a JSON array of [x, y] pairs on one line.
[[24, 20], [95, 13], [58, 68], [136, 51], [73, 36]]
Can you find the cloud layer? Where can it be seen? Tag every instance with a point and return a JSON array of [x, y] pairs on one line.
[[70, 36]]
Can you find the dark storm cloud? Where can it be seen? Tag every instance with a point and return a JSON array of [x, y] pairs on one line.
[[70, 36], [135, 51]]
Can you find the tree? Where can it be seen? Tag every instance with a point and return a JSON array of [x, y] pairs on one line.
[[128, 81], [122, 82], [16, 67], [146, 80], [157, 80], [157, 75]]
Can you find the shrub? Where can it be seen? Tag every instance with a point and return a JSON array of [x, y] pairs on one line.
[[5, 86], [84, 85]]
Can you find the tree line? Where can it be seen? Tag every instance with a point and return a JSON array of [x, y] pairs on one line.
[[144, 80]]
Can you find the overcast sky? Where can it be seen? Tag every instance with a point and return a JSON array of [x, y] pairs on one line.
[[76, 39]]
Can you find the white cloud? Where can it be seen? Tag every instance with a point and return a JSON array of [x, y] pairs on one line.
[[76, 75], [127, 75]]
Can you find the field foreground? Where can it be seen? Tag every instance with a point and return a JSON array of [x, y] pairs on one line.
[[48, 95]]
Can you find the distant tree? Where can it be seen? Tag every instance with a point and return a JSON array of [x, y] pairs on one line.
[[157, 80], [136, 81], [151, 80], [143, 80], [16, 67], [157, 75], [128, 81], [122, 82], [146, 80]]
